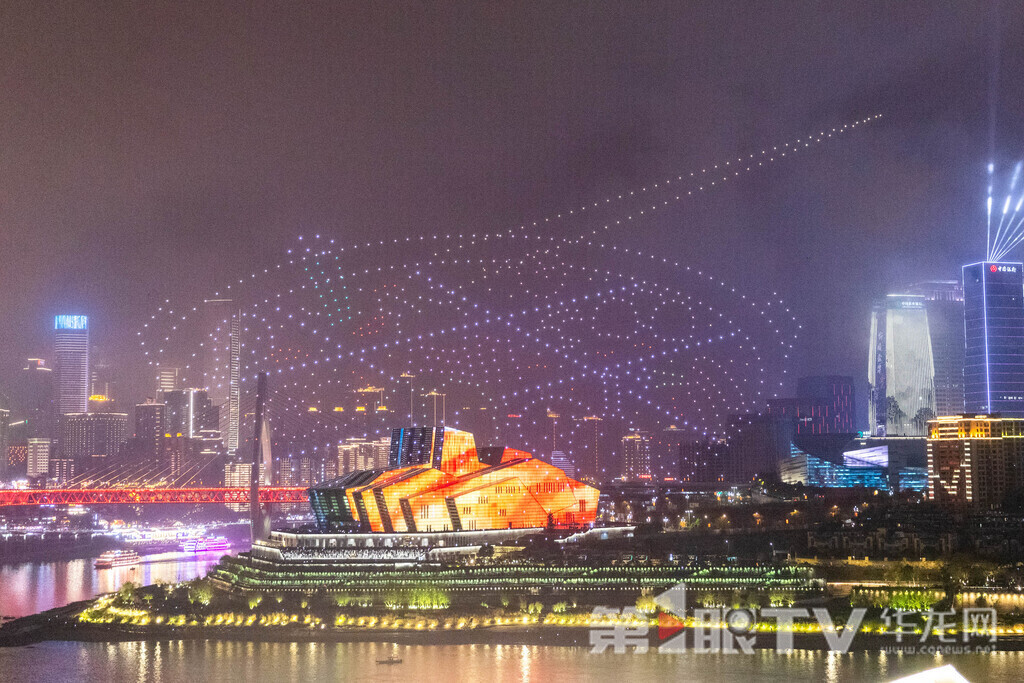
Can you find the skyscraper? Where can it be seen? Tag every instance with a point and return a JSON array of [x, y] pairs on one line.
[[71, 362], [901, 372], [221, 363], [5, 420], [149, 430], [826, 405], [187, 411], [636, 456], [944, 301], [590, 462], [36, 398], [994, 334]]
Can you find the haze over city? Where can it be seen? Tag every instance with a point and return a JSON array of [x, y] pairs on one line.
[[405, 330]]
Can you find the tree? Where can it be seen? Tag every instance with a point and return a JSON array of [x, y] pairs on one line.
[[486, 551], [126, 594], [200, 592]]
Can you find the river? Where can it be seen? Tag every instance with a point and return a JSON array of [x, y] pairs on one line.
[[191, 661], [31, 587]]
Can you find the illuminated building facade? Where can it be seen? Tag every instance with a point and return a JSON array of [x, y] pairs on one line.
[[802, 468], [944, 301], [416, 446], [71, 361], [221, 364], [974, 460], [442, 482], [901, 372], [363, 454], [168, 379], [237, 475], [187, 411], [38, 458], [636, 456], [92, 439], [994, 332], [826, 405]]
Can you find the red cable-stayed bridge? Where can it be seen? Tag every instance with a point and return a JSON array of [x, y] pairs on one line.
[[149, 496]]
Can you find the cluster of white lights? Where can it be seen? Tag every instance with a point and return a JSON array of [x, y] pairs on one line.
[[509, 326]]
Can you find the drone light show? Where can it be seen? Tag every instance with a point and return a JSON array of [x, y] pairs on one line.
[[516, 335]]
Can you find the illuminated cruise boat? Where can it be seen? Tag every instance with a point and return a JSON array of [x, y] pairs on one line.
[[117, 558], [205, 545]]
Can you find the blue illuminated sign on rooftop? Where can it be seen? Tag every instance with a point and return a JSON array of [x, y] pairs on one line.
[[71, 322]]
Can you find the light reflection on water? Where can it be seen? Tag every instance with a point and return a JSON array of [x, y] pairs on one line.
[[33, 587], [192, 661]]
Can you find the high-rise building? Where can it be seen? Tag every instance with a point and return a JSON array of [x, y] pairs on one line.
[[665, 451], [36, 397], [901, 372], [63, 470], [975, 460], [590, 461], [168, 379], [38, 463], [756, 444], [177, 453], [944, 301], [149, 430], [5, 421], [187, 411], [636, 455], [560, 460], [101, 382], [826, 405], [92, 439], [994, 332], [363, 454], [71, 363], [237, 475], [703, 462], [221, 364]]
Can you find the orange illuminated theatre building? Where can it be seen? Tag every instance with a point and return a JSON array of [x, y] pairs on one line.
[[437, 480]]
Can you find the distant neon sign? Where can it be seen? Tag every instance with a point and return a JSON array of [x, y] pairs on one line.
[[71, 322], [1002, 269]]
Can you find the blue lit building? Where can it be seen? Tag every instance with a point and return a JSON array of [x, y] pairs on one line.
[[994, 335], [71, 363], [869, 467], [811, 471]]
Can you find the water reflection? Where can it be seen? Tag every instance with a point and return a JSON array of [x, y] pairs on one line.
[[190, 661], [36, 586]]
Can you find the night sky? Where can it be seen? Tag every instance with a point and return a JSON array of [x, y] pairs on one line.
[[153, 151]]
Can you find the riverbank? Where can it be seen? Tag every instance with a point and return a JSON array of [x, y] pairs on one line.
[[63, 624]]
